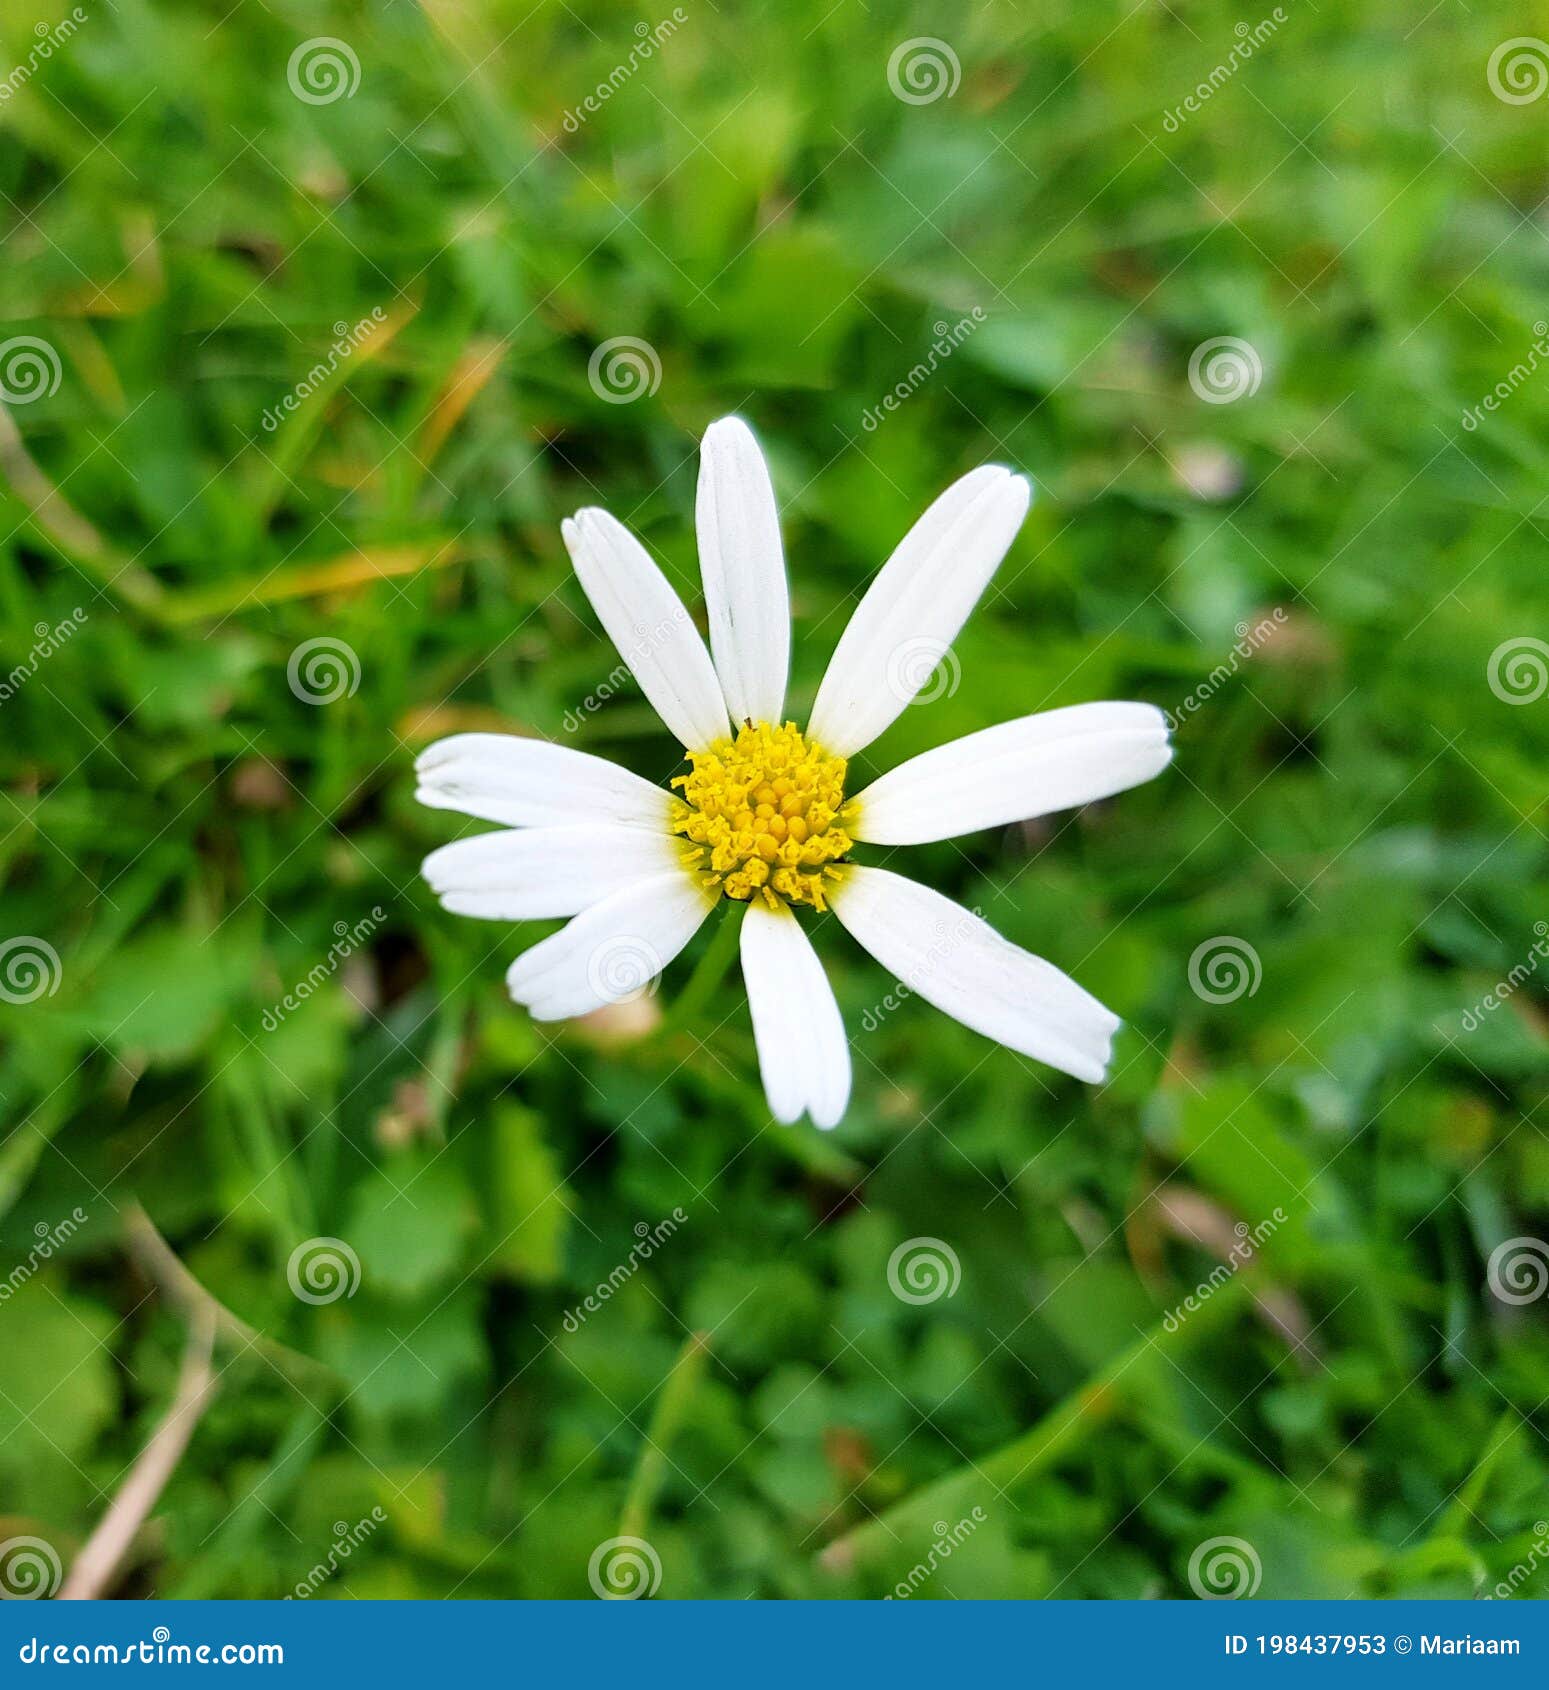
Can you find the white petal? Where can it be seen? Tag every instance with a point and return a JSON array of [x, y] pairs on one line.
[[914, 609], [960, 963], [646, 620], [1030, 767], [743, 569], [802, 1051], [612, 951], [531, 783], [534, 873]]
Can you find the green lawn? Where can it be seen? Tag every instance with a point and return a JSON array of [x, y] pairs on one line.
[[314, 341]]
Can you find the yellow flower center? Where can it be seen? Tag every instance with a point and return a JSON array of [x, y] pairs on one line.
[[761, 814]]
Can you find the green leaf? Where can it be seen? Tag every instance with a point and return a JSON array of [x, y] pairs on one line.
[[408, 1222], [58, 1385], [529, 1203]]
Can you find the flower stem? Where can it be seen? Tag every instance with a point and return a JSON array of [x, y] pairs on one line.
[[709, 971], [672, 1401]]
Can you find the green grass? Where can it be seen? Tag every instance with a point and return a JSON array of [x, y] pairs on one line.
[[1352, 800]]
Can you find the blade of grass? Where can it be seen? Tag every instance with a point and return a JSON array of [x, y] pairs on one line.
[[208, 1571], [349, 571], [467, 380], [709, 971], [55, 520], [164, 1267], [1464, 1509], [671, 1403], [100, 1559], [294, 437], [1114, 1390]]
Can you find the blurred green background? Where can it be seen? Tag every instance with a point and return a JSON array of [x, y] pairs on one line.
[[311, 340]]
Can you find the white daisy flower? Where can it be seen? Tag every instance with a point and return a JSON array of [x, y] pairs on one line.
[[762, 816]]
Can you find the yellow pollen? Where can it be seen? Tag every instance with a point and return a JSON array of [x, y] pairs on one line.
[[761, 814]]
